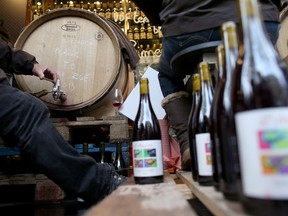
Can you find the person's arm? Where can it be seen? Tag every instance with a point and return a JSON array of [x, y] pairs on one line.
[[45, 72], [21, 62]]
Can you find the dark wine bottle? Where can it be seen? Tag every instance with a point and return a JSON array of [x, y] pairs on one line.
[[146, 141], [260, 105], [119, 163], [195, 100], [228, 146], [213, 120], [201, 128]]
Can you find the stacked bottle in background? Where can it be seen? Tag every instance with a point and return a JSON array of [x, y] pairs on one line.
[[200, 130]]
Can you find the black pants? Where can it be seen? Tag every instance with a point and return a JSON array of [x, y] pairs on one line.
[[25, 123]]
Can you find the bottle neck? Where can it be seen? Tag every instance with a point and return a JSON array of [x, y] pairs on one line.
[[254, 36], [220, 62], [144, 87], [205, 79], [196, 83], [206, 88], [118, 152], [119, 147], [231, 55], [145, 104]]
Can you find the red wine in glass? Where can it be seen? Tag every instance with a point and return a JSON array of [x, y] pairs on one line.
[[117, 100]]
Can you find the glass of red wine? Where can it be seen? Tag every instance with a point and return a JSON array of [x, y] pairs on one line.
[[117, 100]]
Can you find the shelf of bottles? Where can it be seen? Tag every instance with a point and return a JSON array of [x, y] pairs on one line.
[[144, 37]]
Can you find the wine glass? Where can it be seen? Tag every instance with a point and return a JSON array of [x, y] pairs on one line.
[[117, 100]]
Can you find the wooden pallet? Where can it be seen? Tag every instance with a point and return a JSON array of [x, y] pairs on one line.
[[44, 188], [211, 198], [117, 126]]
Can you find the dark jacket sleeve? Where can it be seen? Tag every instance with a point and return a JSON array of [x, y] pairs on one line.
[[277, 3], [15, 61], [151, 9]]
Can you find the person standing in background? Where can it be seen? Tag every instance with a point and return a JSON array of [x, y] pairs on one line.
[[188, 23]]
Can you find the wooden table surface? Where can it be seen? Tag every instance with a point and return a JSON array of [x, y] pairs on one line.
[[163, 199]]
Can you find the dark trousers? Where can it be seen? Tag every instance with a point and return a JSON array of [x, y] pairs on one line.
[[25, 123]]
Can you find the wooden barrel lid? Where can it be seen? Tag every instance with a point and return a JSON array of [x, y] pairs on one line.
[[81, 47]]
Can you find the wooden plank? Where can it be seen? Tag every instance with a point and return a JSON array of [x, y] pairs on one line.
[[117, 126], [90, 123], [179, 184], [211, 198], [161, 199]]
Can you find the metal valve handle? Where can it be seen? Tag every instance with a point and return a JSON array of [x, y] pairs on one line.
[[56, 91]]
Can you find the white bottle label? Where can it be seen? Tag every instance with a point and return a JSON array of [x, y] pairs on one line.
[[147, 158], [262, 137], [203, 149]]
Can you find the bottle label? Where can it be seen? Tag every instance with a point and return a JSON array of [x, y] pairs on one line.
[[147, 158], [262, 137], [203, 149]]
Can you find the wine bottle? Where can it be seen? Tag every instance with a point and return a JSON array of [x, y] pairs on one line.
[[142, 34], [102, 152], [88, 6], [119, 163], [136, 35], [121, 12], [115, 12], [195, 100], [149, 31], [146, 141], [228, 147], [108, 13], [94, 7], [101, 11], [130, 33], [213, 120], [260, 106], [200, 129]]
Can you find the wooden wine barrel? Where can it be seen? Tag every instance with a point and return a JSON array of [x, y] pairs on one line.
[[85, 51], [282, 42]]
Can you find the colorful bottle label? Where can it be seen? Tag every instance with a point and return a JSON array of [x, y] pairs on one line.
[[147, 158], [203, 149], [262, 137]]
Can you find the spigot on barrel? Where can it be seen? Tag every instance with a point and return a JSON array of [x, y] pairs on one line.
[[56, 91]]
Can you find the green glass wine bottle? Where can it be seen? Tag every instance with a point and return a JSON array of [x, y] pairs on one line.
[[146, 141], [260, 106]]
